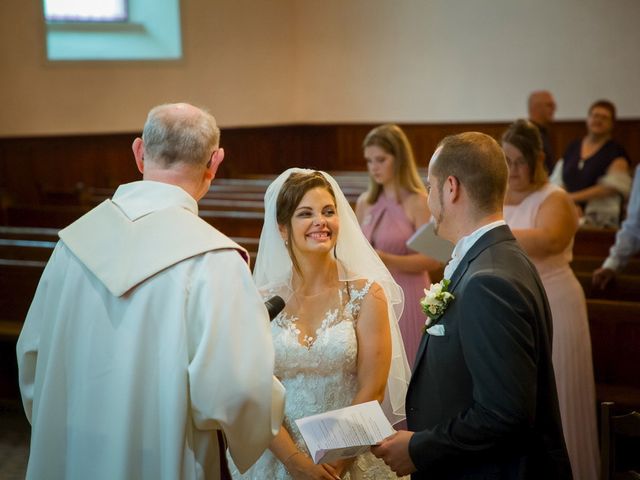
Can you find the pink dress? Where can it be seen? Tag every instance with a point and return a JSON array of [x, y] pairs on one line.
[[571, 350], [388, 228]]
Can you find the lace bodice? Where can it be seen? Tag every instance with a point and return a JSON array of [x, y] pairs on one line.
[[319, 373]]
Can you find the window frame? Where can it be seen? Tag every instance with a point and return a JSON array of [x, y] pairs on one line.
[[80, 20], [153, 33]]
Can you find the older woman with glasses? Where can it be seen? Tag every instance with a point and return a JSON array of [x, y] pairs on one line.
[[595, 169], [544, 221]]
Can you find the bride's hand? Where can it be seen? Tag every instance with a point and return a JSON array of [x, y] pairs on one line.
[[339, 467], [302, 468]]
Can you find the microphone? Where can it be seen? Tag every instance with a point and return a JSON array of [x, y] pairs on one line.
[[274, 306]]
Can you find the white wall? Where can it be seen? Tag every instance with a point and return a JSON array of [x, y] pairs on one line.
[[237, 62], [464, 60], [262, 62]]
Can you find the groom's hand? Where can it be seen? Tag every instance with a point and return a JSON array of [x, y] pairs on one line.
[[394, 450]]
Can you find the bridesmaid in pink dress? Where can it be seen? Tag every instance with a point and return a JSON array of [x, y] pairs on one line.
[[544, 221], [389, 212]]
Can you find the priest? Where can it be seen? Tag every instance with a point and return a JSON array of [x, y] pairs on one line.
[[147, 350]]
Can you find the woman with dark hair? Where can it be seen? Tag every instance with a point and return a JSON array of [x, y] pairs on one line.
[[337, 340], [595, 169], [544, 221], [390, 211]]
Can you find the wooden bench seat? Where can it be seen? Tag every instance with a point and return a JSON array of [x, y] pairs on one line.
[[10, 330], [594, 241], [18, 282], [29, 233], [615, 343], [234, 223], [32, 243], [614, 326], [622, 287], [626, 397], [25, 249], [589, 263], [231, 205], [50, 216], [21, 265]]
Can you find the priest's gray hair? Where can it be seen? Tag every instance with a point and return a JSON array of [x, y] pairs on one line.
[[180, 133]]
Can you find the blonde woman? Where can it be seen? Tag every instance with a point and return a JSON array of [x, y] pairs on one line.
[[389, 212]]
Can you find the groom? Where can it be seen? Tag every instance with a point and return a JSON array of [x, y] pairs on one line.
[[482, 402]]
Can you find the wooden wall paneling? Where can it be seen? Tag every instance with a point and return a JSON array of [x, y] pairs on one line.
[[349, 154], [628, 134], [33, 166], [252, 150], [16, 156], [30, 166], [317, 148]]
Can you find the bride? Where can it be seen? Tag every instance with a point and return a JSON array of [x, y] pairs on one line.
[[337, 340]]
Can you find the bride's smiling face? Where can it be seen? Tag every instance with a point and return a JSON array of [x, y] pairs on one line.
[[315, 223]]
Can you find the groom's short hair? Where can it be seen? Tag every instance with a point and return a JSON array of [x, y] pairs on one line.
[[479, 164]]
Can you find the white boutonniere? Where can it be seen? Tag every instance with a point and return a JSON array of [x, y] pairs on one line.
[[435, 302]]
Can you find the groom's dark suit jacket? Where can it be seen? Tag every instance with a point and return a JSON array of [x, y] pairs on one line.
[[482, 398]]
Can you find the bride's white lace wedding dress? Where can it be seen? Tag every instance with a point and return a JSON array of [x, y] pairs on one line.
[[319, 374]]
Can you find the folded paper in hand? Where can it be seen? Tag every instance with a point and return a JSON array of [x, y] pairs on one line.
[[344, 433], [425, 241]]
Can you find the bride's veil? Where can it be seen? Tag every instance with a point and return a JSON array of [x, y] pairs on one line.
[[358, 260]]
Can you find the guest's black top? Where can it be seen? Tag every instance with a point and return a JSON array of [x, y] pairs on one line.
[[579, 173]]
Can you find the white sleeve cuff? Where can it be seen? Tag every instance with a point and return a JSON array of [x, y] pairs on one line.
[[612, 263]]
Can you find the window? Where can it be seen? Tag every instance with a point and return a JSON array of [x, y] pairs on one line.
[[88, 11], [112, 29]]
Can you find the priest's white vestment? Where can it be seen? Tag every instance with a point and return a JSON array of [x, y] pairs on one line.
[[145, 336]]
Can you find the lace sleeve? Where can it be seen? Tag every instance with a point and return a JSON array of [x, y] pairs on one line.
[[359, 294]]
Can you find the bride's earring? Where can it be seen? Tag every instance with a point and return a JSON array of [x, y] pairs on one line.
[[286, 243]]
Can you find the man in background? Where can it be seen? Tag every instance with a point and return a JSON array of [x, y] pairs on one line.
[[147, 339], [627, 239], [542, 107]]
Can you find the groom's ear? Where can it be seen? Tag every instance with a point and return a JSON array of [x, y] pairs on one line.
[[452, 188]]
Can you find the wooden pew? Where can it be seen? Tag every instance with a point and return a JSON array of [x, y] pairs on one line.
[[622, 287], [594, 242], [233, 201], [231, 222], [25, 249], [18, 282], [50, 216], [615, 343], [19, 279], [34, 243], [234, 223], [614, 325], [231, 205], [29, 233], [22, 262], [589, 263], [233, 195]]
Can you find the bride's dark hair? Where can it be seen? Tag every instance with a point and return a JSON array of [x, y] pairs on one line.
[[293, 190]]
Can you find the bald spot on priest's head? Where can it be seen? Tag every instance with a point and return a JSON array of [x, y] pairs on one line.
[[180, 133]]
